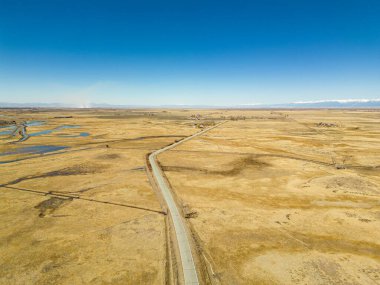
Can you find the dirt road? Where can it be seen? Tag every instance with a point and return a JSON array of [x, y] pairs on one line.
[[188, 266]]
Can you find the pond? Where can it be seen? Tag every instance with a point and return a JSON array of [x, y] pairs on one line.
[[36, 149]]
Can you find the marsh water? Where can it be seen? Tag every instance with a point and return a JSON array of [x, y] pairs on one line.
[[36, 149], [21, 129]]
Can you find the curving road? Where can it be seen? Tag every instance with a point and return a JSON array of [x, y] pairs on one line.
[[188, 265]]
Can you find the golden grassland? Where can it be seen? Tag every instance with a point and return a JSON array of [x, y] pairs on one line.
[[281, 199], [114, 233], [272, 197]]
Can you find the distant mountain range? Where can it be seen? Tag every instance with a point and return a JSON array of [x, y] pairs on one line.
[[348, 103]]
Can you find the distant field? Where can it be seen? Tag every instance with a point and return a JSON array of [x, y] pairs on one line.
[[270, 196]]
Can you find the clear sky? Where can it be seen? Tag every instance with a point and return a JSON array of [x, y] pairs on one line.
[[188, 52]]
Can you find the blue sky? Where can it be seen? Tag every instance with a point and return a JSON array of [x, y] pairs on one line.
[[188, 52]]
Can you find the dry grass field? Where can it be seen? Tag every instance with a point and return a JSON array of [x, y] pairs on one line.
[[85, 214], [283, 199], [271, 197]]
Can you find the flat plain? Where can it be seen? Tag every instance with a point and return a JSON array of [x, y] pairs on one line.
[[270, 196]]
